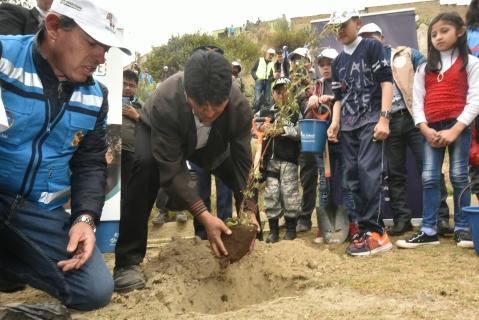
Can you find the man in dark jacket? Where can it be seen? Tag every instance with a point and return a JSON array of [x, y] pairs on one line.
[[15, 19], [54, 149], [196, 116]]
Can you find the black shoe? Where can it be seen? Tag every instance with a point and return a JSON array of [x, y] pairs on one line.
[[443, 228], [418, 239], [290, 229], [128, 278], [10, 286], [463, 239], [273, 231], [400, 228]]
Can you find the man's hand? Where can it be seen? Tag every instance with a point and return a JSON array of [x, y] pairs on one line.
[[381, 130], [130, 112], [214, 227], [333, 131], [81, 245]]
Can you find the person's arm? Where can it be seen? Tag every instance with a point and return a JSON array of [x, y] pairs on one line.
[[471, 109], [88, 181], [88, 168], [419, 116], [382, 73], [333, 129], [417, 58], [253, 70]]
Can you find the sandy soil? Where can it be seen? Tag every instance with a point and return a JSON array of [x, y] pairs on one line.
[[297, 280]]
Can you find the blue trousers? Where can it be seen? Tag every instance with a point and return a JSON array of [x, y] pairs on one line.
[[433, 159], [262, 94], [33, 240], [224, 200], [364, 164]]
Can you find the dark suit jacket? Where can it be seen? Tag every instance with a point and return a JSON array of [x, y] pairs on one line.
[[173, 136], [17, 20]]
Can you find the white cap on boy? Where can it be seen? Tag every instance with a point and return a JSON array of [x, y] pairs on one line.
[[341, 16], [370, 28]]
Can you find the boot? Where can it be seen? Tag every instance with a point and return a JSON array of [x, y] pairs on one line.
[[290, 228], [273, 231]]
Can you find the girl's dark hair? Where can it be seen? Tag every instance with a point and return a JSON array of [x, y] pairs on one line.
[[472, 15], [434, 62], [207, 77]]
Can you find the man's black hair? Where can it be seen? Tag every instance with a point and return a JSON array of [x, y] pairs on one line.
[[207, 77], [208, 47], [130, 75]]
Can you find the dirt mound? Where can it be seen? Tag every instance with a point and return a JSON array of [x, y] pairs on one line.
[[186, 277]]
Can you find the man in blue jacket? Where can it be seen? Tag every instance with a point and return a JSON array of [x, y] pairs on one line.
[[53, 150]]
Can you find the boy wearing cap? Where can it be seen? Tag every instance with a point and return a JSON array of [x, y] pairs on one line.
[[326, 212], [262, 73], [280, 163], [54, 150], [403, 133], [362, 86]]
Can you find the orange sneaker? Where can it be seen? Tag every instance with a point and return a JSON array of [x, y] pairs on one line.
[[369, 243]]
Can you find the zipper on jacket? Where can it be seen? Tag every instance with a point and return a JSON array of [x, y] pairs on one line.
[[34, 148], [50, 126]]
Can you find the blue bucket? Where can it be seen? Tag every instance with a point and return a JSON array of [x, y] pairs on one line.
[[107, 235], [313, 135], [473, 215]]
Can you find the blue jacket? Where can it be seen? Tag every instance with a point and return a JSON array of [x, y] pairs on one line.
[[55, 146], [473, 40]]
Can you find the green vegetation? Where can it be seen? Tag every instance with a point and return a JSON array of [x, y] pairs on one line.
[[244, 47]]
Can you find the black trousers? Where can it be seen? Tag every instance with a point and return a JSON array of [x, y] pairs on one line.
[[308, 174], [142, 188], [404, 134]]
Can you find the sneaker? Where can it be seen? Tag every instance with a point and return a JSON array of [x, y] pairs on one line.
[[353, 230], [369, 243], [463, 239], [181, 217], [128, 278], [319, 238], [417, 240]]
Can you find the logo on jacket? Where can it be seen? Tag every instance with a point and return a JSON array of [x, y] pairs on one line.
[[77, 138]]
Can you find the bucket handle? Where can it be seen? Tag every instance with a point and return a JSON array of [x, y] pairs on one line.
[[468, 186], [318, 115]]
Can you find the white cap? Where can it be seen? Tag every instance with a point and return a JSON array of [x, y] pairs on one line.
[[303, 52], [236, 63], [271, 50], [97, 22], [370, 28], [280, 81], [328, 53], [340, 17]]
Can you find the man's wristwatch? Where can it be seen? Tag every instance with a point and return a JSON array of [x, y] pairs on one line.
[[386, 114], [87, 219]]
